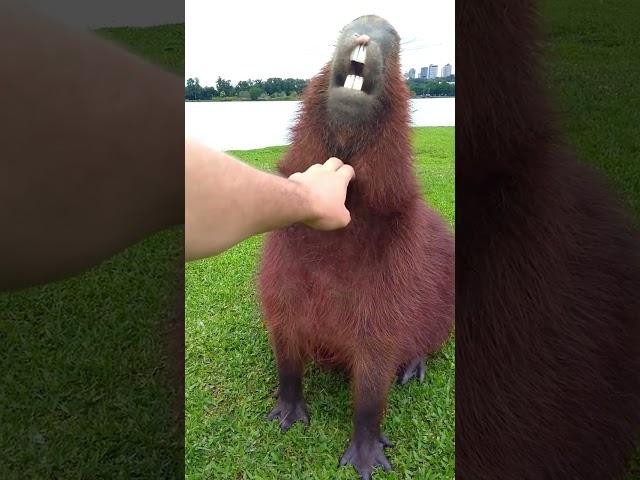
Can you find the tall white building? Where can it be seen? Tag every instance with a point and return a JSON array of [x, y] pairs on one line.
[[411, 74], [424, 72], [446, 70], [433, 71]]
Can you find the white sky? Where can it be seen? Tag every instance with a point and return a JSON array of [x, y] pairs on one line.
[[258, 40]]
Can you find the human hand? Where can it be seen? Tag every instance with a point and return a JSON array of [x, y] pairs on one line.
[[326, 189]]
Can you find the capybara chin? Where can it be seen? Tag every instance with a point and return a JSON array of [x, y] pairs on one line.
[[548, 275], [375, 297]]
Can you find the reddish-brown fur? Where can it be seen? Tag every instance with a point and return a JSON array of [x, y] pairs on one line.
[[548, 275], [378, 293], [384, 283]]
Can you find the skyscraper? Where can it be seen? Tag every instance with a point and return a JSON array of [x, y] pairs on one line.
[[412, 73], [433, 71], [446, 70], [424, 72]]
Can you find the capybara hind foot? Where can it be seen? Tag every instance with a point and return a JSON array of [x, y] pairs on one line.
[[415, 368], [366, 455], [288, 413]]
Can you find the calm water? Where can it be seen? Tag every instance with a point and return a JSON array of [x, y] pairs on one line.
[[246, 125]]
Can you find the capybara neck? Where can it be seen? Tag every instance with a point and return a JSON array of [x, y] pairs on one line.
[[367, 128], [506, 116]]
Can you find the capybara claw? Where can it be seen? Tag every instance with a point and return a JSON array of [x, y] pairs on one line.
[[416, 368], [365, 456], [287, 413]]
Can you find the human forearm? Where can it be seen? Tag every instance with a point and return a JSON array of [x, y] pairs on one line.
[[228, 201], [92, 157]]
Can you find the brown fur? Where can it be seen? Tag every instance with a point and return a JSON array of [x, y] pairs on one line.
[[386, 277], [379, 293], [548, 275]]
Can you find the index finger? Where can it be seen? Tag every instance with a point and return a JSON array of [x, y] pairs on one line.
[[347, 172], [333, 164]]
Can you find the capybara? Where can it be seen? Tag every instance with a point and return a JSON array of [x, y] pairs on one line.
[[376, 297], [547, 274]]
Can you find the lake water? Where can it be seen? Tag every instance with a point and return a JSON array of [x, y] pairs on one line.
[[247, 125]]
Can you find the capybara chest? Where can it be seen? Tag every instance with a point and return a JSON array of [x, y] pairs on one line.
[[372, 282], [338, 279]]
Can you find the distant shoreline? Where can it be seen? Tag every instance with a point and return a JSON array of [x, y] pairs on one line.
[[235, 99]]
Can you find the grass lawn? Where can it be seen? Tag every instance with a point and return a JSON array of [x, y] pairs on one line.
[[83, 390], [162, 44], [230, 372], [593, 69]]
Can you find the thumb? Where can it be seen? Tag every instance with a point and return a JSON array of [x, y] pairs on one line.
[[347, 216]]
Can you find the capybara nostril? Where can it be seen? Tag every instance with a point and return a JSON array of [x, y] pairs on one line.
[[363, 39]]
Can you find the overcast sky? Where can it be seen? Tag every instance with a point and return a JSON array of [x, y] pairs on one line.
[[242, 40]]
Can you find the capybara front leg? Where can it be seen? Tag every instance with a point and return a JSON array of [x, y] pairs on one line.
[[366, 448], [290, 406]]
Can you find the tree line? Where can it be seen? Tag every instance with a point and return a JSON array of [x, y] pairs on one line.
[[249, 89], [293, 87], [435, 87]]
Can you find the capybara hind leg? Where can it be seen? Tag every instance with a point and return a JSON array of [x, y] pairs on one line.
[[290, 406], [415, 368], [366, 448]]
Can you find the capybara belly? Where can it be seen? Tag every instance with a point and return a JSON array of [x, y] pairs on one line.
[[335, 293]]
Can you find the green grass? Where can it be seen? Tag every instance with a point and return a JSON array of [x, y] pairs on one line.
[[163, 44], [230, 373], [593, 69], [84, 387], [84, 391]]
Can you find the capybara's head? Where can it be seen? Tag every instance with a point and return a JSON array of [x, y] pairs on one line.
[[357, 109], [366, 56]]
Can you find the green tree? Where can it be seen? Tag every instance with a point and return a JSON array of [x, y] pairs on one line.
[[300, 84], [255, 91], [225, 86], [208, 93], [193, 90], [288, 85], [273, 85], [242, 86]]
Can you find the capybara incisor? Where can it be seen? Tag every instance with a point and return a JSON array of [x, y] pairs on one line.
[[375, 297]]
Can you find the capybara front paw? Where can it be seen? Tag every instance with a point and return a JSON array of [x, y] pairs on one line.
[[288, 413], [366, 455], [415, 368]]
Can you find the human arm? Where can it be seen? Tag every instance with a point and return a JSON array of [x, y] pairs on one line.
[[92, 157], [227, 201]]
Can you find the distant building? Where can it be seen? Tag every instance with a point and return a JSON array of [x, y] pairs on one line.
[[446, 70], [411, 74], [433, 71], [424, 72]]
